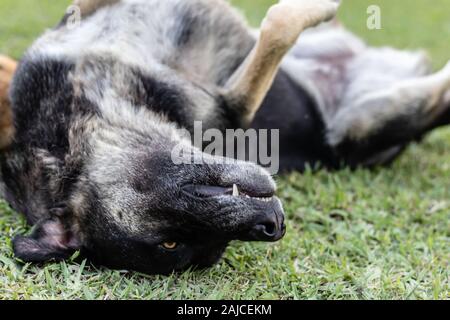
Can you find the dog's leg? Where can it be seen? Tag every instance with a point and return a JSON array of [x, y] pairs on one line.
[[88, 7], [7, 68], [280, 30], [393, 116]]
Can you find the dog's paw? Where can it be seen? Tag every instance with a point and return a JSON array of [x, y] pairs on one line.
[[286, 20], [310, 12]]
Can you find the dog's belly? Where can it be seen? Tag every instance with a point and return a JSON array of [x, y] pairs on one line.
[[291, 110]]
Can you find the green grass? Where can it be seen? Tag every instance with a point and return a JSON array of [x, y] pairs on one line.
[[381, 234]]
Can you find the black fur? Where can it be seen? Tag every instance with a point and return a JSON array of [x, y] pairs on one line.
[[43, 84], [290, 109], [162, 99]]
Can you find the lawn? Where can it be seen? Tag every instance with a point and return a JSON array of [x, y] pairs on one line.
[[381, 234]]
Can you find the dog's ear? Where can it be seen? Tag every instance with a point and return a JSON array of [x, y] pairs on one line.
[[51, 239]]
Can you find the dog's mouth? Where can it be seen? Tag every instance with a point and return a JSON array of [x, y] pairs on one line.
[[266, 221], [206, 191]]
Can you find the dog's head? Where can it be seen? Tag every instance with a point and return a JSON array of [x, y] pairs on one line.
[[133, 207]]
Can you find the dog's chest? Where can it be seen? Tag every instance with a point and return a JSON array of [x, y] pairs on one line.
[[204, 40]]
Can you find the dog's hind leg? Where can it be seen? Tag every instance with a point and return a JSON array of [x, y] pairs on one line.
[[381, 121], [7, 68], [283, 24], [88, 7]]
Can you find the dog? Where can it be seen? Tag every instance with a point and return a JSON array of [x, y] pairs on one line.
[[97, 109]]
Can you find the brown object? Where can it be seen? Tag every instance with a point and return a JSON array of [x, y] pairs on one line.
[[87, 7], [7, 68]]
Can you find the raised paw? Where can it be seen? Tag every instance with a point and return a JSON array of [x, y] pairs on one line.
[[311, 12], [289, 18]]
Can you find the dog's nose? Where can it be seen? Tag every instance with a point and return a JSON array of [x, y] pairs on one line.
[[269, 228]]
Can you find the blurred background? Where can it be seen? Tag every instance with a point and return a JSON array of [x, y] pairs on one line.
[[405, 24]]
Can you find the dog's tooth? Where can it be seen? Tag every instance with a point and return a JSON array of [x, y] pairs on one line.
[[235, 190]]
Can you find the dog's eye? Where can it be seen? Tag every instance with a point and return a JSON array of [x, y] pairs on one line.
[[170, 245]]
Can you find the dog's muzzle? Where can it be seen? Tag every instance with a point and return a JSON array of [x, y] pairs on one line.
[[268, 222]]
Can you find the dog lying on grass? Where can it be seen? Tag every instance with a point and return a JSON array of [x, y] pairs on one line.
[[98, 109]]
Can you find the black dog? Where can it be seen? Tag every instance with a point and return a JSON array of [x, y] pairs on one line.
[[98, 109]]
